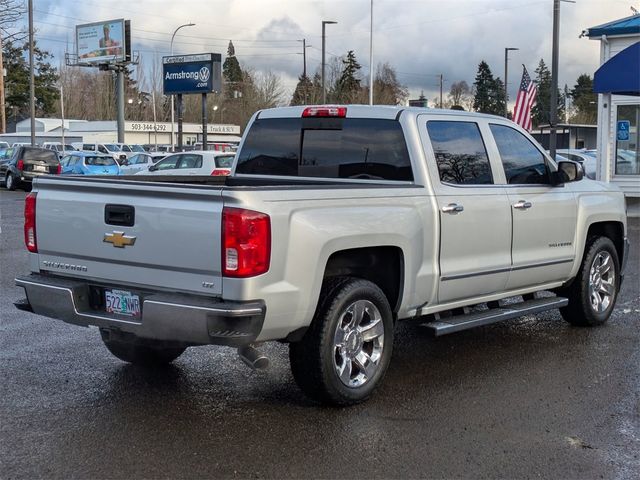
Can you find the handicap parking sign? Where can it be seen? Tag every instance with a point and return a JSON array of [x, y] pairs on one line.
[[623, 130]]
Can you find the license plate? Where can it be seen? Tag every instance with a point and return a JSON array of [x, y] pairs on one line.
[[122, 302], [40, 168]]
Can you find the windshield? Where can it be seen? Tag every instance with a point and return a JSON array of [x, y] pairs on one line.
[[99, 161], [125, 148], [137, 148], [69, 148], [112, 148]]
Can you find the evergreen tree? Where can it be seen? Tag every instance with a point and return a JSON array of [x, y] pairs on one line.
[[303, 91], [232, 73], [486, 99], [498, 97], [541, 111], [585, 102], [348, 85], [17, 81]]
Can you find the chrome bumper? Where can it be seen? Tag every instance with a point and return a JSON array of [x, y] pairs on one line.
[[182, 318]]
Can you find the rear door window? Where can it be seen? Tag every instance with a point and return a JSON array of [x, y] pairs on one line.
[[168, 163], [523, 162], [460, 153], [349, 148], [190, 160]]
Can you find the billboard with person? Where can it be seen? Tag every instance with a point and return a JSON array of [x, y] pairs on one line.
[[101, 42]]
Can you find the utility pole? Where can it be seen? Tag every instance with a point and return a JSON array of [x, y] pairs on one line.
[[506, 72], [3, 114], [155, 120], [304, 66], [172, 107], [324, 90], [553, 118], [440, 90], [32, 84]]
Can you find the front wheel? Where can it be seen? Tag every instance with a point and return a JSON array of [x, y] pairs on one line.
[[345, 353], [141, 351], [593, 293]]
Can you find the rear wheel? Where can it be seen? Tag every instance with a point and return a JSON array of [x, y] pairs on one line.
[[10, 182], [593, 293], [345, 353], [141, 351]]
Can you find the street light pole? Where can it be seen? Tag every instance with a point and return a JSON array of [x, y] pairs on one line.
[[506, 73], [172, 108], [371, 58], [324, 90]]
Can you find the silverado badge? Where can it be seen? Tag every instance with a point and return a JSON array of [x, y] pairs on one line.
[[119, 239]]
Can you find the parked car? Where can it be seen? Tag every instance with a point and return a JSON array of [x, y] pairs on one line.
[[140, 162], [5, 153], [21, 144], [89, 163], [25, 164], [60, 149], [197, 162], [584, 157], [4, 145], [111, 149]]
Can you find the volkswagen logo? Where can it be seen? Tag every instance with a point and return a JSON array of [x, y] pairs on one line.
[[204, 74]]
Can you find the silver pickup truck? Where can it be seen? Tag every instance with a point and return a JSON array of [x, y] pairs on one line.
[[336, 223]]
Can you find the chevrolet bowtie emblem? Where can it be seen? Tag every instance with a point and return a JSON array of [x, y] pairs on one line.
[[119, 239]]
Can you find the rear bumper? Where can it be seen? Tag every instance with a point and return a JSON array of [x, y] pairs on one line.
[[188, 319]]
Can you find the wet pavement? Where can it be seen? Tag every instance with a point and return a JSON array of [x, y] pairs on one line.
[[523, 399]]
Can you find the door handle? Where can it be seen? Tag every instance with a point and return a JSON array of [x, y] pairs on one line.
[[522, 205], [453, 208]]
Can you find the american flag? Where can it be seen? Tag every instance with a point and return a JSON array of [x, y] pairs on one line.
[[525, 100]]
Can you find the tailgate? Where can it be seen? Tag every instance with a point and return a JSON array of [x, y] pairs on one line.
[[165, 236]]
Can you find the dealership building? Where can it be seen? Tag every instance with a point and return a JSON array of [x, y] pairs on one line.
[[617, 83], [141, 133]]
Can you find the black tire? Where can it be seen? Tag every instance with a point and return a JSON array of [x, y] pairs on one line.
[[592, 284], [316, 358], [137, 351], [10, 183]]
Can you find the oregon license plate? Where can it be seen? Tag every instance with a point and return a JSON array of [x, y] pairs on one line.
[[122, 302], [40, 168]]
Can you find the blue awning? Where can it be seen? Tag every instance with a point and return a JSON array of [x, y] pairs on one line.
[[620, 74], [624, 26]]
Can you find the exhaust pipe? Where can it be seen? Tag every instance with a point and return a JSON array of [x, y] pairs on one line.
[[253, 358]]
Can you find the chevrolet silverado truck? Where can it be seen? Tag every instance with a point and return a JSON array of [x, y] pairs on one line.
[[336, 223]]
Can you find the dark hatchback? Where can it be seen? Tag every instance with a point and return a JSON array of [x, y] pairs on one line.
[[25, 164]]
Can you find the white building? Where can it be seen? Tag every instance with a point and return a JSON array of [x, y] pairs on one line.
[[50, 129], [617, 83]]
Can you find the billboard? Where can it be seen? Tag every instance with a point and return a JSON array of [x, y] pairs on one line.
[[102, 42], [200, 73]]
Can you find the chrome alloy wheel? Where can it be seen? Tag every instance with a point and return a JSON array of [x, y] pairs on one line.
[[602, 279], [358, 343], [8, 182]]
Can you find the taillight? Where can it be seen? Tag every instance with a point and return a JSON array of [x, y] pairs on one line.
[[20, 165], [246, 242], [30, 239], [220, 172], [58, 169], [325, 111]]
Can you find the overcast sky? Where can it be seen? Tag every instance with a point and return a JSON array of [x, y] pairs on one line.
[[420, 38]]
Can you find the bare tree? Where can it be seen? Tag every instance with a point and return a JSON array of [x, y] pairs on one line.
[[459, 93]]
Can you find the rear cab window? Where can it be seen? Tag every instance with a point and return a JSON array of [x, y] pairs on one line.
[[341, 148]]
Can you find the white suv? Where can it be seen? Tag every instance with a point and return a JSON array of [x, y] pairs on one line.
[[197, 162]]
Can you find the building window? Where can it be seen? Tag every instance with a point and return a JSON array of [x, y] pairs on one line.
[[627, 161]]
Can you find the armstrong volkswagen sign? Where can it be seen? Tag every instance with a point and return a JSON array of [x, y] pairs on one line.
[[200, 73]]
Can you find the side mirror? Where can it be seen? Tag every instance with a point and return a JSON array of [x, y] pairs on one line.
[[153, 168], [570, 171]]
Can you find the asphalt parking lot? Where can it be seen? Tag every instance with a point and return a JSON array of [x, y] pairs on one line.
[[523, 399]]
